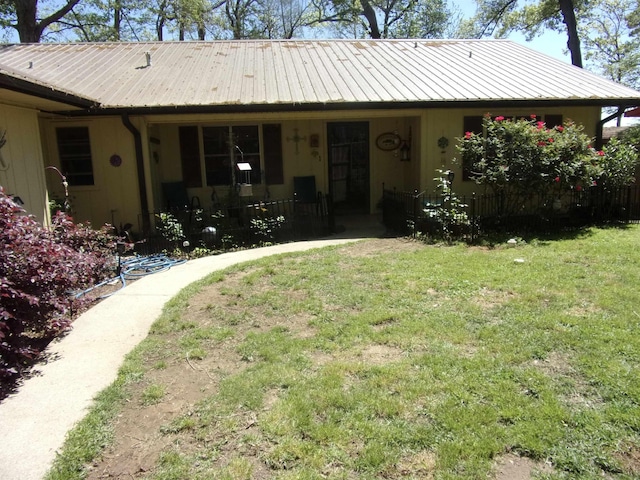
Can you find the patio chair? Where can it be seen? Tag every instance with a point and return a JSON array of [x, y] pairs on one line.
[[307, 204], [178, 203], [177, 198]]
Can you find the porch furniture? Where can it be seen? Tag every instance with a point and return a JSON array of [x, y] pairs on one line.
[[177, 199], [308, 208]]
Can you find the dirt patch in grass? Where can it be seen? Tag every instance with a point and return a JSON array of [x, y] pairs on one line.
[[144, 430], [187, 379], [629, 458], [513, 467]]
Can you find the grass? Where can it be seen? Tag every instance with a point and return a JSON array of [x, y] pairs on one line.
[[427, 362]]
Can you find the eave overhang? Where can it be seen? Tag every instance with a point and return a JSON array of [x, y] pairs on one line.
[[493, 104], [28, 87]]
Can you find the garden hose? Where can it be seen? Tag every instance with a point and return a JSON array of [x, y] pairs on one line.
[[134, 268]]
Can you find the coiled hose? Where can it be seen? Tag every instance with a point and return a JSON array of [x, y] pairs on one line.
[[134, 268]]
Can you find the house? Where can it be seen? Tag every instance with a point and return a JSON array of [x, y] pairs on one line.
[[122, 120]]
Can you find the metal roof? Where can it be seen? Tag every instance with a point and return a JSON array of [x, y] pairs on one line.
[[17, 82], [300, 73]]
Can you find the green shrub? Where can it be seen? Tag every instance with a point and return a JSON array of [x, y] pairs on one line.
[[523, 156], [618, 164]]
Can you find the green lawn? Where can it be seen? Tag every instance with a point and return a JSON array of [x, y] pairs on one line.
[[416, 362]]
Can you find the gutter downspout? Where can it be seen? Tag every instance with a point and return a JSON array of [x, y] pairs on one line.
[[600, 126], [142, 184]]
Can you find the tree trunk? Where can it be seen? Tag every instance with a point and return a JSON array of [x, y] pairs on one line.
[[160, 29], [26, 12], [117, 18], [29, 29], [370, 14], [573, 41]]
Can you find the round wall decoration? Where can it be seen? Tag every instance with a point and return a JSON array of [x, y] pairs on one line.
[[443, 142], [115, 160], [388, 141]]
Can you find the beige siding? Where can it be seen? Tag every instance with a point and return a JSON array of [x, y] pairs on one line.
[[114, 197], [22, 171], [115, 193]]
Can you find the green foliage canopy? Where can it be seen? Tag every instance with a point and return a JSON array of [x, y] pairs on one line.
[[523, 156]]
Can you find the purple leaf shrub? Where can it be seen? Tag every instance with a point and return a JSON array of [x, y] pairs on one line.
[[40, 270]]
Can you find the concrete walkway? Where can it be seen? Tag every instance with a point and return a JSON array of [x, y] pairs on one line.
[[35, 420]]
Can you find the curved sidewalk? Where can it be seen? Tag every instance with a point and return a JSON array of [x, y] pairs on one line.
[[35, 420]]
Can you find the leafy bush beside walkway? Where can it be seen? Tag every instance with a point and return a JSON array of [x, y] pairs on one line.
[[40, 269]]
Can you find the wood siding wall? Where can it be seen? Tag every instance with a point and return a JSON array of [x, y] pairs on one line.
[[22, 172]]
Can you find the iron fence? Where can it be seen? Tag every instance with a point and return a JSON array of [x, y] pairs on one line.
[[411, 213], [226, 227]]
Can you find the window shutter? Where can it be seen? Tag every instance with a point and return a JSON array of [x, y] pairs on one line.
[[273, 163], [190, 156]]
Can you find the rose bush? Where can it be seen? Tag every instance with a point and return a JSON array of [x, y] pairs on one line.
[[523, 156]]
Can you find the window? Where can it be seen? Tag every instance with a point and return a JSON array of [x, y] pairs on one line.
[[224, 145], [473, 125], [220, 147], [552, 120], [74, 149]]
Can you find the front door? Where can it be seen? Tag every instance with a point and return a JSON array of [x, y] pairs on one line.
[[349, 166]]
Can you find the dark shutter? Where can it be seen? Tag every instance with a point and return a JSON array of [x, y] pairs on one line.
[[190, 156], [273, 165]]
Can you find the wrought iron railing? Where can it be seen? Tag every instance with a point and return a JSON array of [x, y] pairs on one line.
[[225, 227], [416, 212]]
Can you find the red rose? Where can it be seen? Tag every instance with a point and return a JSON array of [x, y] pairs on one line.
[[600, 153], [499, 118], [560, 128], [578, 188], [557, 179], [540, 125]]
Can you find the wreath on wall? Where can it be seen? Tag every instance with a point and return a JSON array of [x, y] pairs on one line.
[[443, 143]]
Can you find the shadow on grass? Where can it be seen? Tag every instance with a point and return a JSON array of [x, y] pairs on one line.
[[495, 238]]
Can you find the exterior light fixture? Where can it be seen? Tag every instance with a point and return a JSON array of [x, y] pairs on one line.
[[405, 151], [450, 176]]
